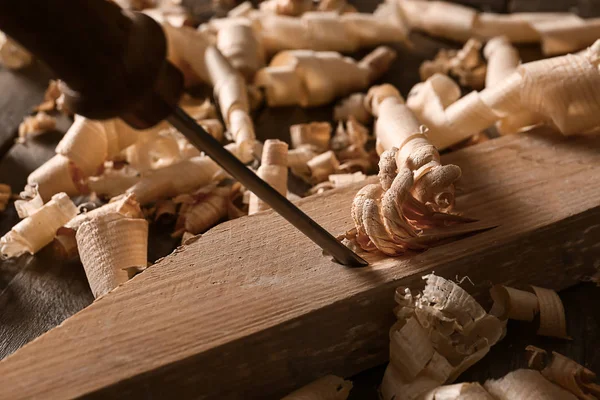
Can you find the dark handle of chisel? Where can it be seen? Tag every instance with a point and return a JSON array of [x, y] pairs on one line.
[[113, 61]]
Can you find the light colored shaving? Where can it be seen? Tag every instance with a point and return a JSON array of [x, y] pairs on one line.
[[202, 210], [308, 78], [336, 181], [12, 55], [558, 33], [30, 201], [38, 229], [314, 134], [65, 241], [465, 64], [153, 150], [353, 106], [438, 335], [273, 170], [186, 47], [513, 303], [231, 92], [5, 195], [459, 391], [525, 384], [172, 13], [50, 97], [213, 126], [322, 166], [109, 245], [178, 178], [292, 8], [113, 181], [36, 125], [329, 31], [298, 161], [565, 372], [403, 211], [552, 314], [556, 90], [329, 387], [55, 176], [238, 42]]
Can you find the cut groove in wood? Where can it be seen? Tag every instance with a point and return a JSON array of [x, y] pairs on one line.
[[253, 309]]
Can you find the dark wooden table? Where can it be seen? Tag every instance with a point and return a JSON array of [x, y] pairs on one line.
[[38, 293]]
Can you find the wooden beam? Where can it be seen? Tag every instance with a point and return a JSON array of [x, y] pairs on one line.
[[253, 309]]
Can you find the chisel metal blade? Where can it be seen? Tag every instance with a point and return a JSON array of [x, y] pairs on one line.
[[206, 143]]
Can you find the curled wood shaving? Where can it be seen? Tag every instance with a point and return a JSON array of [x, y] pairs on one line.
[[513, 303], [65, 242], [552, 313], [152, 151], [108, 246], [353, 106], [238, 42], [439, 334], [113, 181], [298, 161], [565, 372], [557, 90], [404, 211], [30, 201], [5, 195], [336, 181], [273, 170], [329, 31], [202, 210], [308, 78], [56, 175], [35, 125], [329, 387], [231, 92], [38, 229], [557, 32], [186, 50], [50, 97], [465, 64], [314, 134], [12, 55], [459, 391], [322, 166], [181, 177], [292, 8], [525, 384]]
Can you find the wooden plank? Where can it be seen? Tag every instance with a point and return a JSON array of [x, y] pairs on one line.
[[253, 309]]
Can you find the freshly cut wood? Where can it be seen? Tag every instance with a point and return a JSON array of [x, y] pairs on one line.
[[242, 311]]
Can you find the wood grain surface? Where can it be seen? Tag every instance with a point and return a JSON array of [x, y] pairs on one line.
[[38, 293], [240, 313]]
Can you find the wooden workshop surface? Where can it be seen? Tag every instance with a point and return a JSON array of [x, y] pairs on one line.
[[38, 293]]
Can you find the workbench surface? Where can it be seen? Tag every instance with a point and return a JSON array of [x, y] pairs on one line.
[[38, 293]]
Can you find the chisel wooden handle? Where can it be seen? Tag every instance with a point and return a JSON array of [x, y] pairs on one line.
[[113, 61]]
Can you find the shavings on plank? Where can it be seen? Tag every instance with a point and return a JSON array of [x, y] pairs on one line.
[[109, 246], [408, 208], [38, 229], [329, 387]]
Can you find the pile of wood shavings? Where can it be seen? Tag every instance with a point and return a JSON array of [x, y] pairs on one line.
[[289, 52]]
